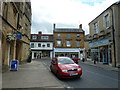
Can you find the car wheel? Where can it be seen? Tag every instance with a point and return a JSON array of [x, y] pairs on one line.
[[58, 75]]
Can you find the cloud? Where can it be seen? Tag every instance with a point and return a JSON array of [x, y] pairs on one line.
[[70, 13]]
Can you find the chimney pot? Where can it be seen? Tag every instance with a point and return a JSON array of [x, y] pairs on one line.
[[80, 26]]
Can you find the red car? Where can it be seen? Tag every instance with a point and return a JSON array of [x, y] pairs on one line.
[[65, 67]]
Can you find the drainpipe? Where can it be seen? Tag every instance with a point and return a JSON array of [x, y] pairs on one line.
[[113, 36]]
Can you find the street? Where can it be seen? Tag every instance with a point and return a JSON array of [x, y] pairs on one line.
[[37, 75], [93, 77]]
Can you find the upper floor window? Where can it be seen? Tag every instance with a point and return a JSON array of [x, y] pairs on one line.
[[58, 42], [32, 45], [78, 43], [44, 37], [34, 37], [59, 35], [68, 43], [106, 21], [96, 29], [78, 35], [68, 35], [39, 44], [48, 45]]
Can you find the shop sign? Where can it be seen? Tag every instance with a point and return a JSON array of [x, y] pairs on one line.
[[94, 50], [65, 50], [18, 36], [98, 43]]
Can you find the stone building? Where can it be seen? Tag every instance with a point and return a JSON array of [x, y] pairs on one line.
[[42, 46], [68, 41], [105, 35], [16, 28]]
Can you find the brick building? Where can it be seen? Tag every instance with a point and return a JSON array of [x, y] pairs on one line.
[[42, 46], [68, 41], [105, 35], [16, 27]]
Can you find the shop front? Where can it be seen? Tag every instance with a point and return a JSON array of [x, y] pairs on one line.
[[67, 52], [103, 50], [42, 54]]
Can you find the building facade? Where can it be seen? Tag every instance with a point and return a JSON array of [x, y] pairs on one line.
[[42, 46], [68, 41], [16, 28], [105, 35]]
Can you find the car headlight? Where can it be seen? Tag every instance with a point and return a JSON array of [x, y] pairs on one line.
[[64, 70], [79, 69]]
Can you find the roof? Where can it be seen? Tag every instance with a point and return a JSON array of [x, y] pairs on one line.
[[68, 30]]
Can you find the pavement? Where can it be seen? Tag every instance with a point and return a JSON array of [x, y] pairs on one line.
[[101, 65], [31, 75]]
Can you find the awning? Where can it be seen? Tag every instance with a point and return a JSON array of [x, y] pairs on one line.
[[67, 49]]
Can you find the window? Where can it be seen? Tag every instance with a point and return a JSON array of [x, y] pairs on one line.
[[32, 45], [39, 44], [96, 30], [59, 35], [78, 43], [59, 43], [106, 19], [78, 35], [68, 35], [44, 37], [34, 37], [68, 44], [48, 45], [43, 45]]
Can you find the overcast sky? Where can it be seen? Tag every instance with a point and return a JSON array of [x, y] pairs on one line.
[[65, 13]]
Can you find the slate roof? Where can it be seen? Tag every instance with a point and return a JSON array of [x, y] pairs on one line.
[[68, 30]]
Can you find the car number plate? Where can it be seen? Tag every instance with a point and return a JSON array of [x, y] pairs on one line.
[[72, 74]]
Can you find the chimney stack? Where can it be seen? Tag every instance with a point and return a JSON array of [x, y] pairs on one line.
[[80, 26], [54, 26]]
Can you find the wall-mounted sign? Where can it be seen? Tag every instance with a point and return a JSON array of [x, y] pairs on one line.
[[18, 36]]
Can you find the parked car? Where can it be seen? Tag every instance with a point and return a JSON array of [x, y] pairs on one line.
[[65, 67], [76, 60]]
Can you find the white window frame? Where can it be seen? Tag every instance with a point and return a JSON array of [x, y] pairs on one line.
[[78, 35], [34, 37], [106, 23], [32, 44], [68, 43], [58, 42], [44, 37], [78, 43], [39, 44], [96, 27], [58, 35]]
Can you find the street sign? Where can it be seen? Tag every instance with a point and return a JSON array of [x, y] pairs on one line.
[[14, 65], [18, 35]]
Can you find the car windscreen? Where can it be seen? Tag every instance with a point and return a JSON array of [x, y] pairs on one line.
[[65, 61]]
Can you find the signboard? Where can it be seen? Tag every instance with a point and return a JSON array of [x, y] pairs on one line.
[[100, 42], [18, 36], [14, 65], [65, 50]]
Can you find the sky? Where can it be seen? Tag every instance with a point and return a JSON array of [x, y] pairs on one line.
[[65, 14]]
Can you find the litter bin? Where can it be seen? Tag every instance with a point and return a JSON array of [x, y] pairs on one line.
[[14, 65]]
